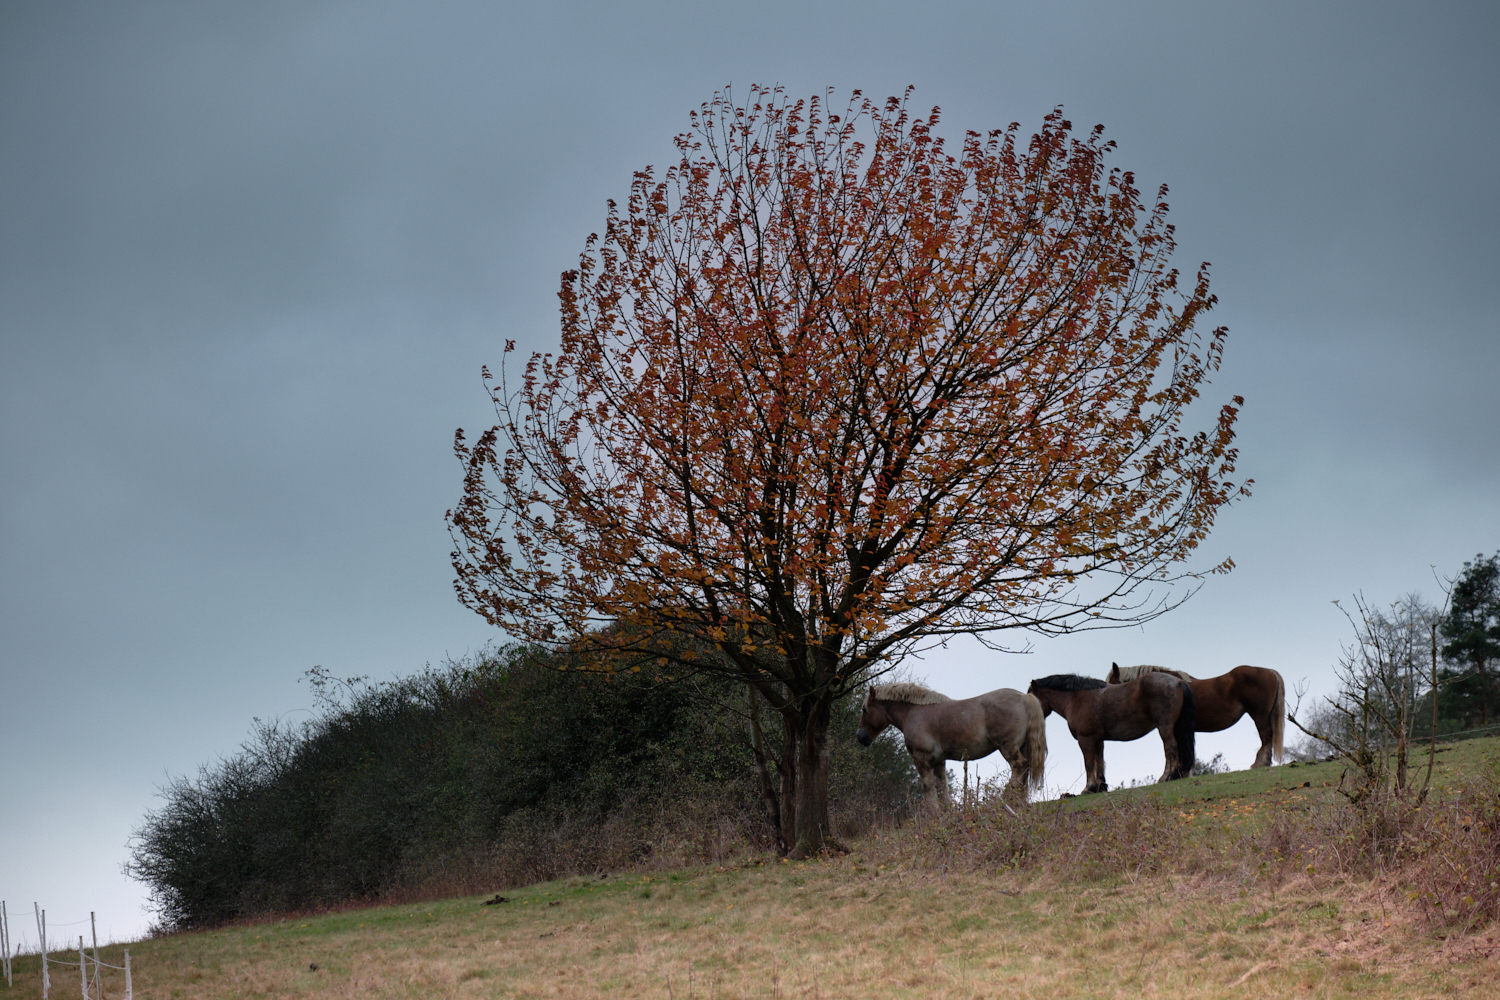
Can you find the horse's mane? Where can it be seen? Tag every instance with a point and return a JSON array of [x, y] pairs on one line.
[[1134, 673], [912, 694], [1068, 682]]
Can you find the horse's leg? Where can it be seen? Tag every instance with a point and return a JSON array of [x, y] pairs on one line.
[[934, 776], [1177, 738], [1263, 726], [1172, 763], [1093, 764], [945, 792], [1017, 761], [1174, 766]]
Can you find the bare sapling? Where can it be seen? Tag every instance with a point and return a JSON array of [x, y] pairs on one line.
[[1383, 676]]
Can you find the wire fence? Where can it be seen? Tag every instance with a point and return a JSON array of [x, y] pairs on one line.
[[92, 987], [1417, 738], [1467, 734], [90, 966]]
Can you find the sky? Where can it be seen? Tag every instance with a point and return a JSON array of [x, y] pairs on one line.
[[253, 256]]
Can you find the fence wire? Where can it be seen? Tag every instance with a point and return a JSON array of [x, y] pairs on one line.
[[91, 984]]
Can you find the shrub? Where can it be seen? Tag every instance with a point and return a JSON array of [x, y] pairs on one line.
[[1440, 854], [483, 774], [1452, 860]]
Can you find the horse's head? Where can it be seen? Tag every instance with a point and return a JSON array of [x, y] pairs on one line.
[[872, 720], [1040, 694]]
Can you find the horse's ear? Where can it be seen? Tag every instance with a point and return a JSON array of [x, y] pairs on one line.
[[1115, 665]]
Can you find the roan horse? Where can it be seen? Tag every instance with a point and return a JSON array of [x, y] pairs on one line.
[[1258, 692], [1097, 712], [939, 729]]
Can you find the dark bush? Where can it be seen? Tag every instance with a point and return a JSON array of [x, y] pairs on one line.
[[482, 774]]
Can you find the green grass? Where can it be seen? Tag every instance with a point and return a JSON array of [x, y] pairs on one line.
[[819, 929], [884, 921], [1237, 795]]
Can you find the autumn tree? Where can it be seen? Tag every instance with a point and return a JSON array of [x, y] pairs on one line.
[[828, 393]]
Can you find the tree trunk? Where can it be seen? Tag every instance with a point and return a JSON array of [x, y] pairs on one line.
[[814, 832], [1484, 698], [763, 771], [787, 766]]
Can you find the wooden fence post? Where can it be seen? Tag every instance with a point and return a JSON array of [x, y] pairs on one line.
[[127, 975], [83, 970], [41, 931], [94, 930], [5, 941]]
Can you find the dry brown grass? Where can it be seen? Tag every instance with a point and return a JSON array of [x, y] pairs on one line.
[[839, 928], [1438, 855], [1220, 886]]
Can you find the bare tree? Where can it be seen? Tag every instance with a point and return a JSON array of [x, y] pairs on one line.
[[1384, 675]]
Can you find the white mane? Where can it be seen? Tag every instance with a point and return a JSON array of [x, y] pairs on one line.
[[1134, 673], [912, 694]]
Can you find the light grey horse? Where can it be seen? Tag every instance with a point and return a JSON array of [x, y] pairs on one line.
[[939, 729]]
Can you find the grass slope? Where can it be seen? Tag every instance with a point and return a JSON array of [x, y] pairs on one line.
[[857, 927]]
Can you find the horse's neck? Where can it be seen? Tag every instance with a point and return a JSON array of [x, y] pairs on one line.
[[898, 712], [1068, 703]]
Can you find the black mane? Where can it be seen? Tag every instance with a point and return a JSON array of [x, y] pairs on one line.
[[1068, 682]]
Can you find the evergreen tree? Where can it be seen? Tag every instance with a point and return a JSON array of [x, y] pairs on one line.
[[1472, 634]]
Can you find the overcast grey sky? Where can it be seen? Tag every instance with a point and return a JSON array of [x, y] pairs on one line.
[[252, 257]]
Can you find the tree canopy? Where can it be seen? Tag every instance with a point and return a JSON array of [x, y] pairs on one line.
[[828, 392]]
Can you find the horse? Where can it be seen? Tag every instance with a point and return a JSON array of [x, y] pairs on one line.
[[939, 729], [1258, 692], [1097, 711]]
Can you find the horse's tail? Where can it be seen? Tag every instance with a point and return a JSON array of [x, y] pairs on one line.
[[1278, 716], [1187, 720], [1035, 747]]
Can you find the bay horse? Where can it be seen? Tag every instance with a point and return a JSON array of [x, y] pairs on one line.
[[1258, 692], [939, 729], [1097, 711]]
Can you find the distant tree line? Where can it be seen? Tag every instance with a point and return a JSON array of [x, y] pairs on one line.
[[1414, 671], [483, 773]]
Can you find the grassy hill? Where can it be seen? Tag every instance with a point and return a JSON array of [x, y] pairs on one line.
[[1195, 896]]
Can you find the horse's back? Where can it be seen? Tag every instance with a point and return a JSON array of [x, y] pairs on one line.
[[1252, 688], [1262, 677], [1005, 707], [1123, 675], [1260, 689], [976, 727], [1003, 697], [1131, 710]]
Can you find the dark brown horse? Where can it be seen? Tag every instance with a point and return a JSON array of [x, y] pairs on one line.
[[1097, 712], [1258, 692], [939, 729]]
